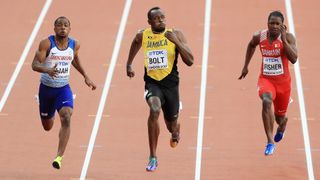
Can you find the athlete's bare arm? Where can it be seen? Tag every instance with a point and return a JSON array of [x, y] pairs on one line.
[[289, 44], [180, 41], [250, 51], [40, 57], [76, 63], [135, 47]]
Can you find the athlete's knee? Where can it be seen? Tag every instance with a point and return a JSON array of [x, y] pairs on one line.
[[171, 122], [280, 118], [155, 109], [171, 118], [65, 119], [267, 102]]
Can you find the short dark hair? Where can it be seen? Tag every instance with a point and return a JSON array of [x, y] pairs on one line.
[[276, 14], [149, 12], [61, 17]]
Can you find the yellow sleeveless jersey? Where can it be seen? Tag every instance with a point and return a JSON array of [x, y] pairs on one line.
[[159, 54]]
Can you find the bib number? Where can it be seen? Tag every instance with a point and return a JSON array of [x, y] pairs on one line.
[[63, 69], [157, 59], [272, 66]]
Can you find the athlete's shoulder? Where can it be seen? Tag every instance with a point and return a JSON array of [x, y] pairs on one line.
[[140, 31], [255, 40], [76, 44], [45, 40], [261, 33], [139, 35], [257, 33], [176, 31], [290, 36], [45, 44], [72, 39], [179, 34], [76, 41]]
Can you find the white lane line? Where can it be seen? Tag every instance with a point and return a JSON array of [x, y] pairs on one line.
[[106, 88], [301, 98], [202, 104], [25, 53]]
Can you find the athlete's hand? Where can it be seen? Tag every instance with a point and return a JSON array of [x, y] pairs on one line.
[[283, 31], [130, 72], [243, 73], [171, 36], [53, 72], [90, 83]]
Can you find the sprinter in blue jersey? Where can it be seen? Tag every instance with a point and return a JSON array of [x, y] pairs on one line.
[[53, 60]]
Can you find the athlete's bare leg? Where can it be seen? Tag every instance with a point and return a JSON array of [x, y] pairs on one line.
[[282, 122], [267, 116], [173, 127], [153, 124], [64, 133], [47, 124]]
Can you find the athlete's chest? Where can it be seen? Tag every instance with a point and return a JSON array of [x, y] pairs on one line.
[[156, 42], [271, 48], [60, 55]]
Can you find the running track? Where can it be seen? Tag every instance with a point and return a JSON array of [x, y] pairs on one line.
[[233, 137]]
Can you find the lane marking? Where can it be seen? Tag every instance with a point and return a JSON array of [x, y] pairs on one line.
[[25, 63], [208, 66], [302, 149], [205, 54], [299, 119], [103, 115], [106, 88], [25, 53], [303, 113], [95, 146], [196, 117], [203, 148]]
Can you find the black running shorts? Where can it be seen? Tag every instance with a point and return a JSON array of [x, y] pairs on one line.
[[169, 99]]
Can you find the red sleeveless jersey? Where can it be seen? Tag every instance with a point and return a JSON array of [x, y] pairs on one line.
[[274, 64]]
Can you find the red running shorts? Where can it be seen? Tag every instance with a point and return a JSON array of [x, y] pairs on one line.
[[280, 91]]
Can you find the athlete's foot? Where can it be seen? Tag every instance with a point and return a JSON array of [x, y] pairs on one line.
[[57, 162], [174, 140], [280, 131], [152, 165], [269, 149], [278, 137]]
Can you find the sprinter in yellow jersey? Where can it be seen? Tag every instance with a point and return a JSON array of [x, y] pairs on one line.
[[161, 47]]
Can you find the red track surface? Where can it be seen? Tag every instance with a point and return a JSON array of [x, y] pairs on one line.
[[234, 139]]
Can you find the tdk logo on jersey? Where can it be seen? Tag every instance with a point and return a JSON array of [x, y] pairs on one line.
[[155, 53]]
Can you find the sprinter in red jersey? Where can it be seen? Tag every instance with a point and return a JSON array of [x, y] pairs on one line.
[[277, 47]]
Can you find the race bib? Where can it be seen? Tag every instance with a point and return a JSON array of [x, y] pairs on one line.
[[63, 69], [157, 59], [272, 66]]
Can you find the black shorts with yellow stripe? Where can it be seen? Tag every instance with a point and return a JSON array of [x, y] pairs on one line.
[[169, 97]]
